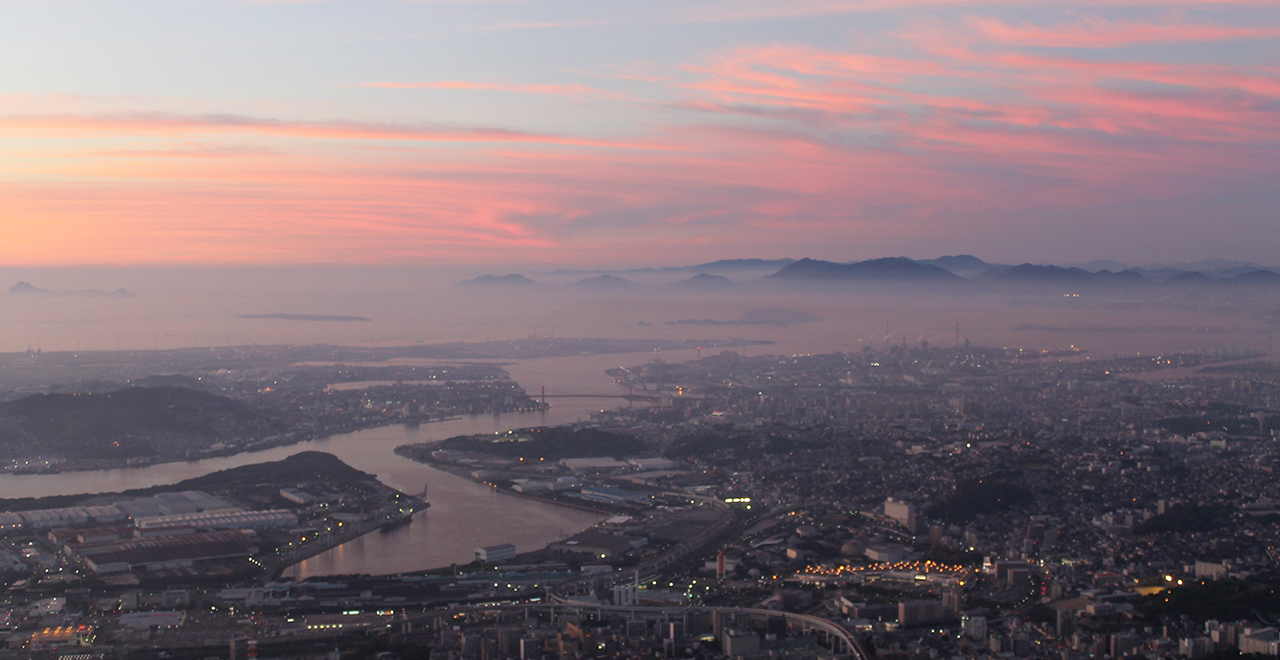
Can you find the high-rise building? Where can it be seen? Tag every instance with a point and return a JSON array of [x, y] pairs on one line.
[[902, 513], [1066, 620], [951, 602], [974, 627]]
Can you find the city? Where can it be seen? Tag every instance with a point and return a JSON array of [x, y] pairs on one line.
[[914, 502], [657, 330]]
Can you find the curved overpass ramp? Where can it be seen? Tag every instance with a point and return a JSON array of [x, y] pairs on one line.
[[841, 641]]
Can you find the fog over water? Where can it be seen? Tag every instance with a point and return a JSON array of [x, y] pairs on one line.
[[179, 308]]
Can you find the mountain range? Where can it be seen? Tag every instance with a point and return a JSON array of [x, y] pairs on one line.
[[948, 270], [899, 269]]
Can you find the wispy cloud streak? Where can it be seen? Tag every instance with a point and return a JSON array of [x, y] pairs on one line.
[[67, 125], [963, 125]]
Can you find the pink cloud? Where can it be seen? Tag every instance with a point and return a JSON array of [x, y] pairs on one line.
[[963, 127], [1122, 130], [764, 10], [1100, 33], [307, 207], [1010, 88]]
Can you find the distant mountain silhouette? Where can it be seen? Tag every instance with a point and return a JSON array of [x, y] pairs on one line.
[[1102, 264], [1256, 277], [28, 289], [604, 282], [495, 280], [703, 282], [1207, 266], [1032, 274], [899, 269], [732, 265], [958, 268], [721, 266], [960, 263], [1121, 277]]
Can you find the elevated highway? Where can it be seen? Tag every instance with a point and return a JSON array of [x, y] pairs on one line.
[[841, 642]]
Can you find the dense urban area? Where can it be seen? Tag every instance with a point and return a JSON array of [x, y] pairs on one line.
[[907, 503]]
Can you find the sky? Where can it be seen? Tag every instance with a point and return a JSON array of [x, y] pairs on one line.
[[661, 132]]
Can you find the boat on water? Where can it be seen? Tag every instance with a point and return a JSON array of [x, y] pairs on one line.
[[393, 525], [403, 519]]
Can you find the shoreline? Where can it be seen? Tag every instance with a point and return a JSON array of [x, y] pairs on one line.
[[251, 449], [458, 472], [365, 528], [8, 504], [69, 465], [465, 474]]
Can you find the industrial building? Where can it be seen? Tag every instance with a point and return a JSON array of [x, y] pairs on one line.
[[500, 552], [225, 519]]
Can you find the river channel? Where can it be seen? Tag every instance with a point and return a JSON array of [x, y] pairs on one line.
[[463, 514]]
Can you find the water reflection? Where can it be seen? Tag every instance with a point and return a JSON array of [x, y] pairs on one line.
[[463, 514]]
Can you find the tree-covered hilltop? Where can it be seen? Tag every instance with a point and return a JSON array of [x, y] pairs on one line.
[[985, 496], [1225, 600], [135, 421], [304, 467], [1185, 519]]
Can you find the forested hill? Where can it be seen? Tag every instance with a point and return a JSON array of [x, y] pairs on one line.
[[303, 467], [161, 422]]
